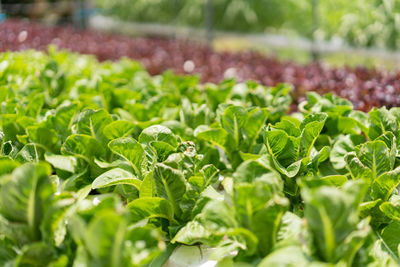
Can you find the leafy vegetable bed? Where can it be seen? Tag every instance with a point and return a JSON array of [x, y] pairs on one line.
[[364, 88], [105, 165]]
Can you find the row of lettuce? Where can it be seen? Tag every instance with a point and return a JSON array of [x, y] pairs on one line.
[[104, 165]]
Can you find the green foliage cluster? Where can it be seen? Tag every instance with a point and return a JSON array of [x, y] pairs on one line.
[[104, 165], [358, 22]]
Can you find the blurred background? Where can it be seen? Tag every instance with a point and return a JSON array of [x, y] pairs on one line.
[[320, 45], [357, 22], [286, 28]]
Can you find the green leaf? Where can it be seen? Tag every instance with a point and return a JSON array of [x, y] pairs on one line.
[[193, 114], [35, 254], [348, 125], [257, 205], [219, 137], [277, 99], [121, 163], [253, 197], [331, 180], [233, 120], [56, 219], [291, 230], [162, 149], [35, 105], [7, 166], [371, 208], [104, 239], [319, 157], [208, 194], [271, 215], [194, 232], [244, 239], [92, 123], [26, 196], [147, 245], [161, 259], [115, 177], [253, 170], [217, 216], [148, 187], [10, 127], [65, 163], [380, 255], [158, 133], [210, 174], [218, 94], [83, 146], [383, 186], [119, 129], [16, 233], [286, 256], [332, 215], [356, 167], [381, 121], [392, 210], [81, 258], [390, 141], [7, 254], [170, 184], [310, 128], [353, 242], [43, 136], [289, 126], [284, 150], [129, 149], [341, 147], [63, 119], [391, 238], [29, 153], [150, 207], [374, 155], [361, 118]]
